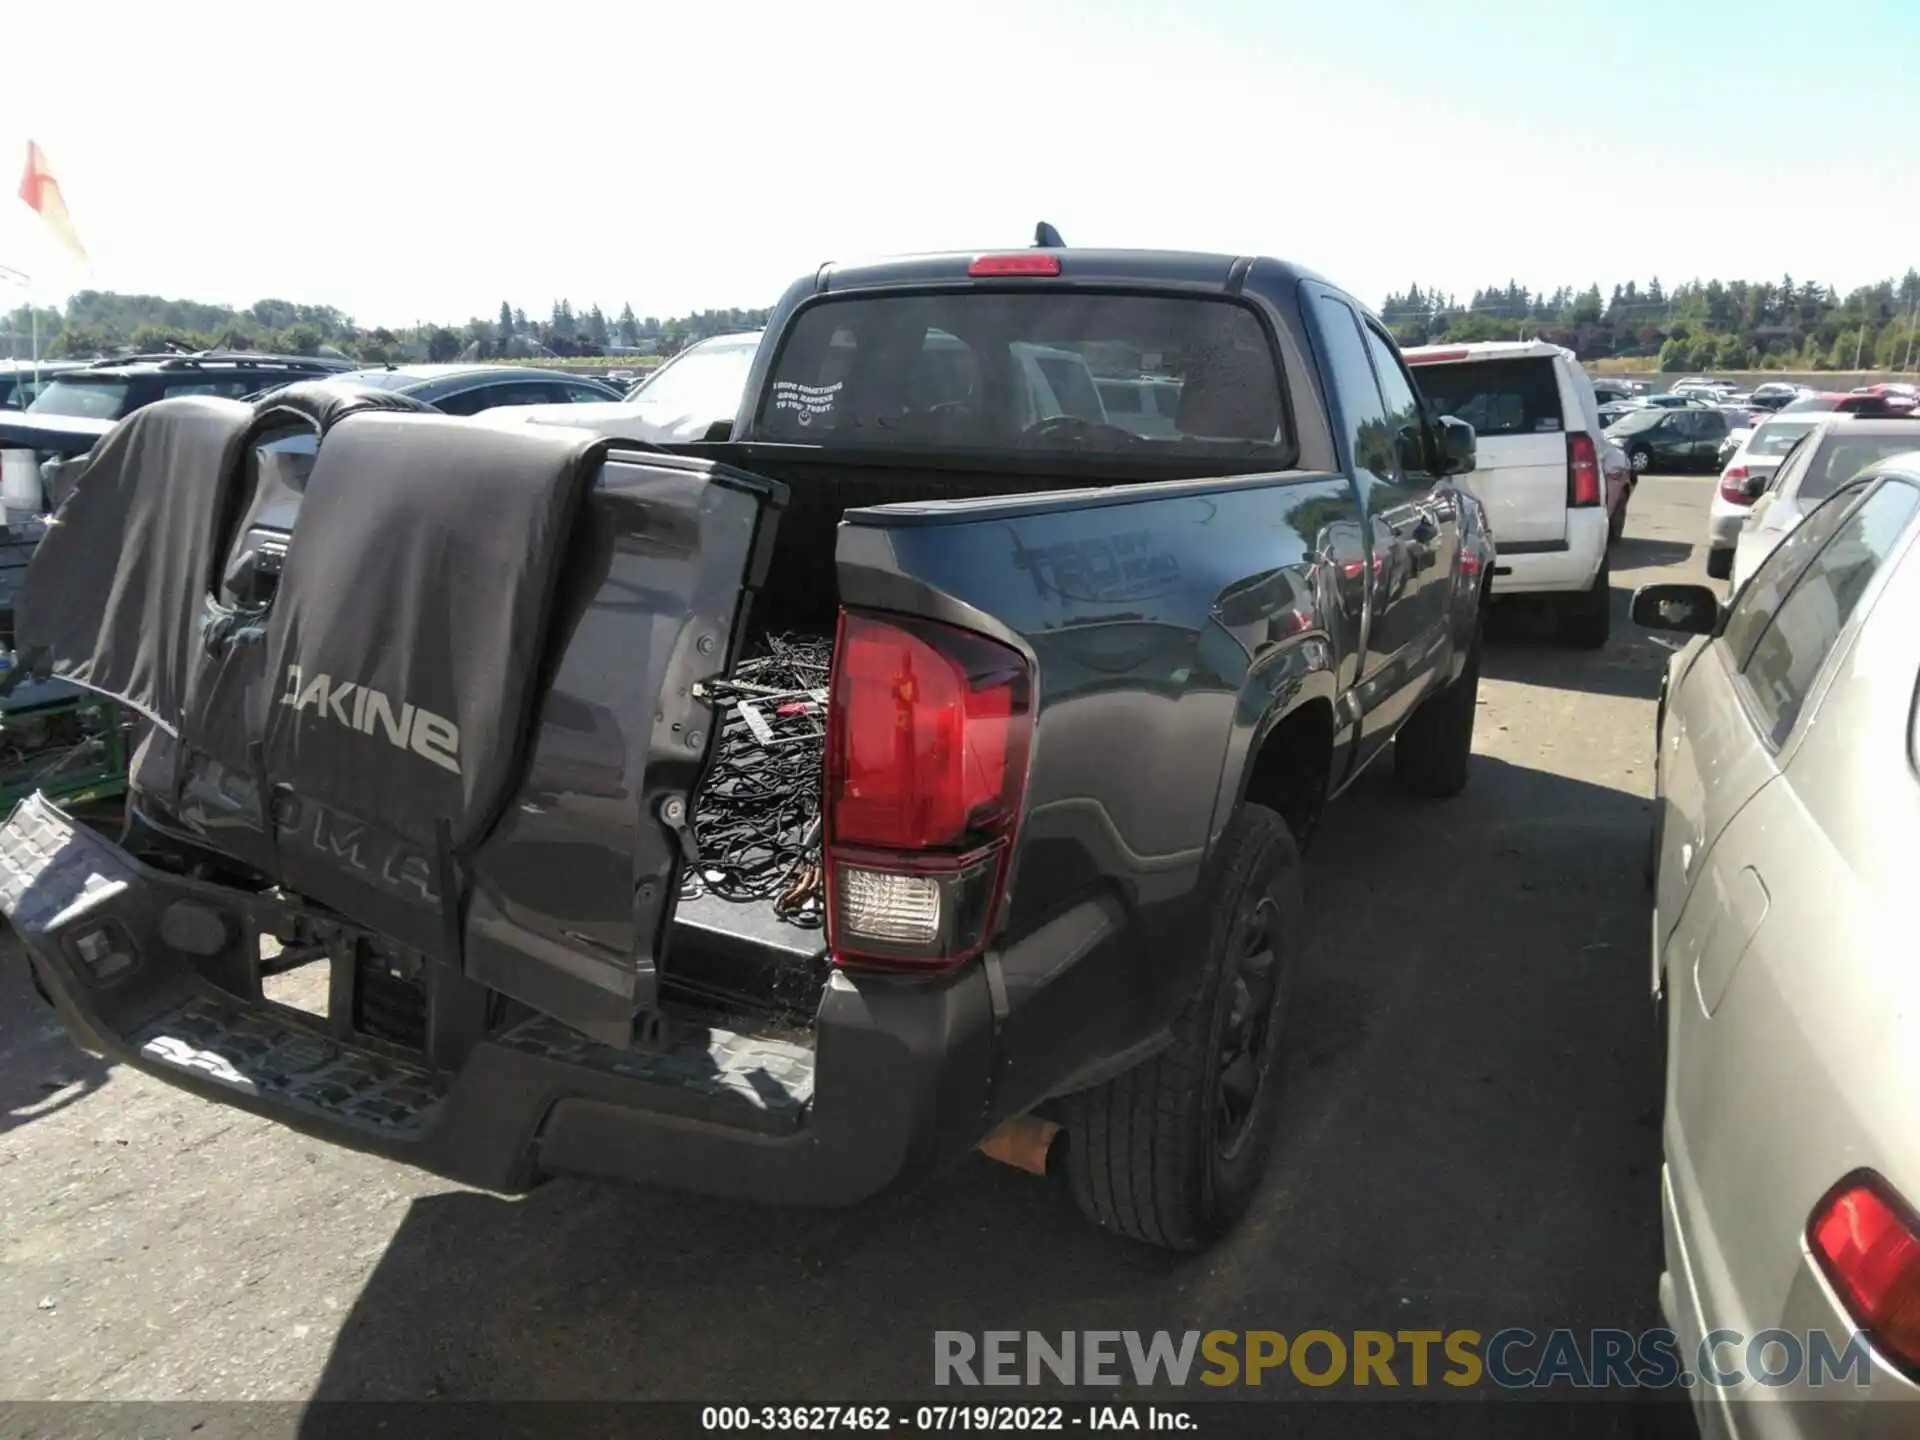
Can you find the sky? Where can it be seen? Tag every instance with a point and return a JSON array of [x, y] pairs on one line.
[[432, 162]]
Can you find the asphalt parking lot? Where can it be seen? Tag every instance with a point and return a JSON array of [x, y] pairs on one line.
[[1469, 1139]]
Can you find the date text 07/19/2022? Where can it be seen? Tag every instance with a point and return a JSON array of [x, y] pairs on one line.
[[938, 1419]]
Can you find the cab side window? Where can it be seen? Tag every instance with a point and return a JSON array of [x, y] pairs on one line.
[[1357, 391], [1405, 422]]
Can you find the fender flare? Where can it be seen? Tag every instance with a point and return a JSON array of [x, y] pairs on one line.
[[1282, 682]]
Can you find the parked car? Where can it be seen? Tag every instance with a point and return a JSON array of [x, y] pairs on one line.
[[22, 380], [1685, 437], [113, 389], [1743, 475], [518, 713], [1704, 388], [1776, 393], [1677, 400], [1869, 404], [693, 396], [469, 389], [1540, 469], [1786, 810], [716, 365], [1730, 446], [1833, 449], [1607, 391]]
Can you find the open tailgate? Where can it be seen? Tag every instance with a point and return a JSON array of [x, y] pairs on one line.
[[361, 736]]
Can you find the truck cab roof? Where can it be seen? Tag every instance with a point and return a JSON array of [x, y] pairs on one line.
[[1179, 268], [1483, 350]]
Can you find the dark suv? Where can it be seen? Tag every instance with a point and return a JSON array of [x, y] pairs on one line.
[[114, 388], [1685, 438]]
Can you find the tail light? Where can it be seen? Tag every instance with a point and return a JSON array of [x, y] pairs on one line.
[[1733, 486], [1583, 470], [1864, 1238], [927, 740]]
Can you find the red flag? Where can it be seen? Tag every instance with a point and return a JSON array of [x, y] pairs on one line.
[[42, 194]]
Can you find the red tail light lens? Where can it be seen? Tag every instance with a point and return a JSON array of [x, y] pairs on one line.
[[1583, 470], [1863, 1236], [1030, 264], [1733, 486], [927, 740]]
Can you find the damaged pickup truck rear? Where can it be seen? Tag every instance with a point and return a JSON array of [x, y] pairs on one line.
[[925, 763]]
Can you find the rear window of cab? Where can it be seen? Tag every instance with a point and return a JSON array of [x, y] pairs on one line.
[[1497, 397], [1013, 372]]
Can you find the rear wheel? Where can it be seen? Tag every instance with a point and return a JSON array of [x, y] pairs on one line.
[[1432, 750], [1617, 522], [1641, 459], [1720, 564], [1586, 619], [1171, 1151]]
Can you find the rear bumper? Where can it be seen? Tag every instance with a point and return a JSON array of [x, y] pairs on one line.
[[894, 1085], [1723, 524], [1548, 567]]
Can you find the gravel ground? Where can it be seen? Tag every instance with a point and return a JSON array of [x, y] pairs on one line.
[[1469, 1138]]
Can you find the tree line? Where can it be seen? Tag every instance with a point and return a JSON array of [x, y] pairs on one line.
[[1700, 325], [103, 323]]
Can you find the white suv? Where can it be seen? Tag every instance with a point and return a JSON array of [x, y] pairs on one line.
[[1554, 487]]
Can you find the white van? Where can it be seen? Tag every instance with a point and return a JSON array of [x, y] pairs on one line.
[[1554, 487]]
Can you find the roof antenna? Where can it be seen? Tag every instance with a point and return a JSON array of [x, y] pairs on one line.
[[1045, 237]]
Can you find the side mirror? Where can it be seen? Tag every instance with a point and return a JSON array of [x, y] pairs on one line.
[[1457, 445], [1689, 609]]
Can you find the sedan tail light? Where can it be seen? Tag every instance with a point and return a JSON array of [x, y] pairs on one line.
[[1733, 486], [1867, 1243]]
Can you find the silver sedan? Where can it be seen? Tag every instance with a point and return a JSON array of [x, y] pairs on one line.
[[1787, 826]]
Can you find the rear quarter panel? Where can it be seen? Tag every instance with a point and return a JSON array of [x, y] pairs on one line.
[[1166, 623]]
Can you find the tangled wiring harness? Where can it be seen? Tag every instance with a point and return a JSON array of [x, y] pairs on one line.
[[756, 819]]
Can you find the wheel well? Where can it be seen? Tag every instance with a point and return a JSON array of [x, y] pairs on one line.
[[1289, 774]]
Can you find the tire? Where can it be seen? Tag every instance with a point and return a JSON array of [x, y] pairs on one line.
[[1617, 523], [1586, 619], [1432, 750], [1640, 459], [1720, 564], [1146, 1156]]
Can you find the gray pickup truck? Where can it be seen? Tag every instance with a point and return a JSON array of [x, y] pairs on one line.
[[437, 704]]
